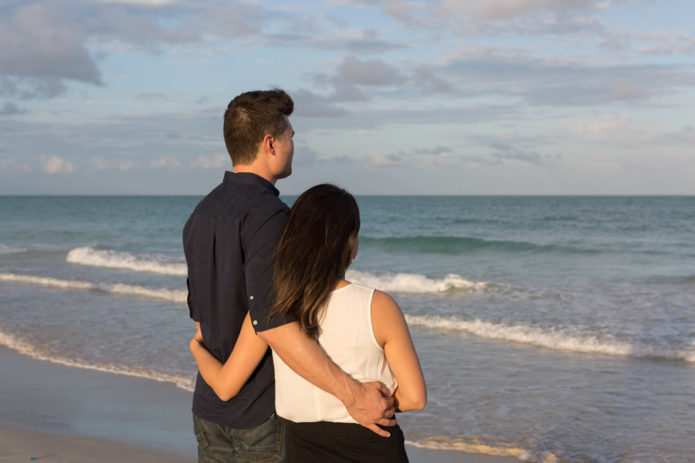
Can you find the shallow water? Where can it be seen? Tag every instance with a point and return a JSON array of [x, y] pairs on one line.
[[549, 328]]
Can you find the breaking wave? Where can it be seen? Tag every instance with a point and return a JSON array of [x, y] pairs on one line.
[[460, 245], [123, 260], [399, 282], [172, 295], [556, 339], [483, 446], [5, 249], [39, 353], [413, 283]]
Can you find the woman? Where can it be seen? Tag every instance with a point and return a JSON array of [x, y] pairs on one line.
[[361, 329]]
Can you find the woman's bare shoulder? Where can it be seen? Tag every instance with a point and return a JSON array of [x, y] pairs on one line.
[[383, 300]]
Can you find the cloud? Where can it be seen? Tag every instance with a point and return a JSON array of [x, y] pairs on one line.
[[498, 17], [304, 156], [100, 163], [507, 74], [400, 10], [151, 97], [346, 91], [551, 81], [141, 2], [429, 82], [56, 165], [41, 49], [510, 150], [509, 9], [669, 44], [241, 20], [606, 126], [115, 141], [5, 164], [127, 165], [166, 161], [390, 160], [45, 44], [458, 112], [310, 104], [429, 156], [139, 26], [437, 151], [504, 153], [215, 161], [11, 109], [351, 82], [360, 41], [369, 72], [684, 137]]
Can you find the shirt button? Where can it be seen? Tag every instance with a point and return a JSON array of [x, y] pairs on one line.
[[251, 298], [255, 322]]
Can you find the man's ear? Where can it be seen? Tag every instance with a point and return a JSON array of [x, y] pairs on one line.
[[268, 143]]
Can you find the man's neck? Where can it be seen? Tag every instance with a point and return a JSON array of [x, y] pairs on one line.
[[254, 169]]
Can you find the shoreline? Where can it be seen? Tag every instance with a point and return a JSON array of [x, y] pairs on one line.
[[61, 413], [25, 445]]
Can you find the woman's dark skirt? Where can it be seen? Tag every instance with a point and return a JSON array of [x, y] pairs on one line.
[[326, 442]]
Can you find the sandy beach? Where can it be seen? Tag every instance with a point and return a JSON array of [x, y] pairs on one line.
[[55, 413]]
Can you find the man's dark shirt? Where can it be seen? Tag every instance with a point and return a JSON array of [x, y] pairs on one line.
[[229, 242]]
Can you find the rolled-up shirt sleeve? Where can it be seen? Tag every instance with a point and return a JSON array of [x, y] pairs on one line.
[[260, 240]]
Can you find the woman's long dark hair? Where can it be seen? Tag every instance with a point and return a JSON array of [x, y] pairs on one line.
[[314, 251]]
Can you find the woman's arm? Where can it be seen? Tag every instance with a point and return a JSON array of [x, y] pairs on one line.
[[391, 332], [228, 379]]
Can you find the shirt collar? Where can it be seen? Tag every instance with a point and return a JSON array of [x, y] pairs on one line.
[[249, 178]]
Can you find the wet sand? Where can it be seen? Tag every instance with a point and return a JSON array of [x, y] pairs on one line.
[[55, 413]]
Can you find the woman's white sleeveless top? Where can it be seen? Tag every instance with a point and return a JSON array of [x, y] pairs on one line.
[[348, 339]]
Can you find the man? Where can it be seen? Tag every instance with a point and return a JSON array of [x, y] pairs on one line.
[[229, 242]]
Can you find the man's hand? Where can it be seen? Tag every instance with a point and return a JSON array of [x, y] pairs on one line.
[[372, 405]]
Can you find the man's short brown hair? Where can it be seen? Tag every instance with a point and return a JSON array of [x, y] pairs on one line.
[[250, 117]]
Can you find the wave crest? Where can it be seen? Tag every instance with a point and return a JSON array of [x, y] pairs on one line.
[[482, 445], [172, 295], [413, 283], [555, 339], [399, 283], [5, 249], [123, 260], [450, 244], [37, 352]]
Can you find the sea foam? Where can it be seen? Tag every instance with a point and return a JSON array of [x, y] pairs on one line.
[[124, 260], [399, 282], [483, 446], [172, 295], [39, 353], [5, 249], [556, 339], [413, 283]]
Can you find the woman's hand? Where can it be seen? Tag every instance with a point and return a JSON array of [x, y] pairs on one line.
[[197, 339], [227, 379], [198, 334]]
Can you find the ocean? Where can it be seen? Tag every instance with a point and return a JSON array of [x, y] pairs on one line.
[[551, 329]]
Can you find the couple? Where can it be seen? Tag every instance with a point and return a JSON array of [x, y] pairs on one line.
[[261, 275]]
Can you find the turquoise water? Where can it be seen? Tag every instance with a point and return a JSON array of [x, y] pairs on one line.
[[549, 328]]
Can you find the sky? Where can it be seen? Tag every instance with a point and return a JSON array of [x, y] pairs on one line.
[[475, 97]]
